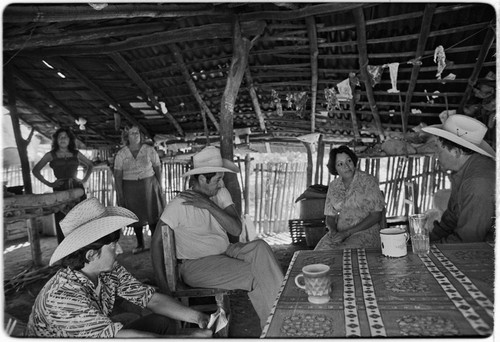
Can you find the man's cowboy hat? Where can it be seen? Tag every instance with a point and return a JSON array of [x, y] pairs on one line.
[[86, 223], [464, 131], [210, 160]]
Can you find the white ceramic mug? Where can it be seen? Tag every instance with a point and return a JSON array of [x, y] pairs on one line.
[[393, 242], [316, 283]]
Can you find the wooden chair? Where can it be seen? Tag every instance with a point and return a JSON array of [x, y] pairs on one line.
[[184, 292]]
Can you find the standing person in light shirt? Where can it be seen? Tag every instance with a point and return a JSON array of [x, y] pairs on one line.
[[137, 172]]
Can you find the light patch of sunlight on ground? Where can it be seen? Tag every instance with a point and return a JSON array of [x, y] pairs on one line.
[[14, 247]]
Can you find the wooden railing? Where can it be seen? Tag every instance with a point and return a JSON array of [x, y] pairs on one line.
[[272, 187]]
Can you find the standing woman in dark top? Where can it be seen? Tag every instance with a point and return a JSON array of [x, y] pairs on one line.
[[64, 159]]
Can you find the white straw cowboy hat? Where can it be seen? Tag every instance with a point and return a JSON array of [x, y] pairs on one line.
[[464, 131], [86, 223], [210, 160]]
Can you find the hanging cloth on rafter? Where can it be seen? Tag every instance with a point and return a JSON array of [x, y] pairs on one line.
[[375, 72], [345, 92], [440, 59], [393, 69]]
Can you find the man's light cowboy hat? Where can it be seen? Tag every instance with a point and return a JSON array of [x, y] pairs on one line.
[[86, 223], [464, 131], [210, 160]]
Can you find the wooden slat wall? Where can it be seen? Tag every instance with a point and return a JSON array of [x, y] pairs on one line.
[[273, 187]]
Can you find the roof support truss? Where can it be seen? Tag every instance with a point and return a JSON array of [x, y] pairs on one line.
[[125, 66]]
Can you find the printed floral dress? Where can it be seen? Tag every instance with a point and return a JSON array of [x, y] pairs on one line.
[[353, 205]]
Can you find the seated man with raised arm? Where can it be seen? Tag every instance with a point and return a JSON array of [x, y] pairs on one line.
[[200, 226], [78, 300]]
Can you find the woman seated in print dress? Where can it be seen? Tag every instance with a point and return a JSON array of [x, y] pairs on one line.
[[354, 204]]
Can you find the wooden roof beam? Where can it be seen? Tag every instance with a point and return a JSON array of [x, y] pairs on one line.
[[76, 36], [76, 12], [313, 44], [255, 100], [125, 66], [422, 40], [488, 41], [99, 92], [359, 18], [204, 32], [322, 9], [187, 78], [41, 90]]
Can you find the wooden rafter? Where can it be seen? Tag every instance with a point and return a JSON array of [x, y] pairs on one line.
[[44, 40], [255, 100], [194, 91], [359, 18], [488, 41], [68, 13], [313, 45], [422, 40], [127, 68], [204, 32], [99, 92], [47, 95], [322, 9]]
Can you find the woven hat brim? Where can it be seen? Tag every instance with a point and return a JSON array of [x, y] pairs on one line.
[[114, 219], [483, 148], [227, 166]]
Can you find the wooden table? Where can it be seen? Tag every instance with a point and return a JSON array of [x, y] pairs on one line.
[[446, 293]]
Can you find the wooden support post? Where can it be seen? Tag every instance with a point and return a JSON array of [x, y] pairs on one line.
[[359, 18], [309, 163], [488, 41], [422, 40], [34, 239], [241, 48], [255, 100], [319, 160], [248, 171], [313, 47], [22, 145]]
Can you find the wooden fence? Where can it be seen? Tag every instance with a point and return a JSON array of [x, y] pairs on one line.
[[272, 187]]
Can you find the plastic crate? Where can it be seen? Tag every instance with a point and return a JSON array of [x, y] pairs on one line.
[[298, 230]]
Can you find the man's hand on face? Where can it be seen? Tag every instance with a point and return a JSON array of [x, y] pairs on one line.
[[195, 199]]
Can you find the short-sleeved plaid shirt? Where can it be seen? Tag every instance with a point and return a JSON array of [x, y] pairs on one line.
[[70, 305]]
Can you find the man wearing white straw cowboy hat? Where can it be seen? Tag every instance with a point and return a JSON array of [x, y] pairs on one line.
[[461, 149], [201, 224], [78, 300]]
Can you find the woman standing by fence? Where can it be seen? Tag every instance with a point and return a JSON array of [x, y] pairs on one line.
[[64, 159]]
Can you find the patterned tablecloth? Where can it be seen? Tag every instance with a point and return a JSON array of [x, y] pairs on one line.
[[446, 293]]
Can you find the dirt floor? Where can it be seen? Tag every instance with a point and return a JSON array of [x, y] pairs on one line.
[[19, 299]]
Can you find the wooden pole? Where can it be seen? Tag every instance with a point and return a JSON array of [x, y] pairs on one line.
[[313, 47], [22, 145], [246, 195], [241, 47], [309, 163], [359, 18], [422, 40], [488, 41]]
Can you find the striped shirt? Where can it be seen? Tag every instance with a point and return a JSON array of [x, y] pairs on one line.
[[70, 305]]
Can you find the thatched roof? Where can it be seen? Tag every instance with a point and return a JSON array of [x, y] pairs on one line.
[[164, 67]]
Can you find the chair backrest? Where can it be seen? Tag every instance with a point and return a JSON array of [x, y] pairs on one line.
[[170, 257]]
